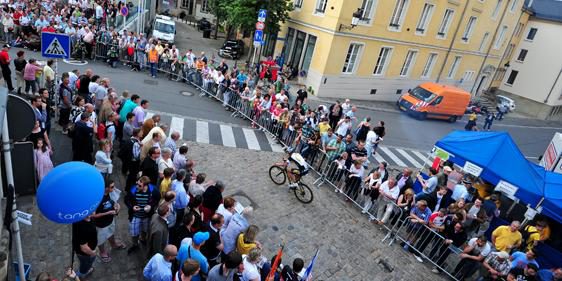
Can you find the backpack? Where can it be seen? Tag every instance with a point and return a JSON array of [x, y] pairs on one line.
[[102, 130], [525, 235]]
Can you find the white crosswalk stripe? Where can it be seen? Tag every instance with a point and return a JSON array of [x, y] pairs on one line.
[[409, 158], [202, 131], [227, 136], [393, 156], [177, 126], [251, 139], [426, 159], [275, 147]]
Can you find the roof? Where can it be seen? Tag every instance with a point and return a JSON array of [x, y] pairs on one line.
[[545, 9], [436, 87]]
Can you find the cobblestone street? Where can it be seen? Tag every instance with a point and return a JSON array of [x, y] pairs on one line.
[[350, 246]]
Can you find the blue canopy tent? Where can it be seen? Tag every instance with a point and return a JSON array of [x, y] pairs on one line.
[[552, 202], [500, 159]]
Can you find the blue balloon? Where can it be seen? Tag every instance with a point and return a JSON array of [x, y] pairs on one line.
[[70, 192]]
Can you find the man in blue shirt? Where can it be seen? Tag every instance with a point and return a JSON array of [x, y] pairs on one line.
[[520, 259], [237, 224], [193, 251], [551, 275], [159, 268]]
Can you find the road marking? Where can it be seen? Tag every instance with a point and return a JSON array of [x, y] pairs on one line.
[[202, 129], [409, 158], [275, 147], [379, 158], [148, 115], [425, 158], [251, 139], [177, 126], [393, 157], [227, 136], [526, 127]]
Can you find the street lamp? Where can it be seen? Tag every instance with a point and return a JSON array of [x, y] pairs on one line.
[[357, 15]]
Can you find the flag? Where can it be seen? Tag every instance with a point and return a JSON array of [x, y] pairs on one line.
[[308, 272], [275, 265]]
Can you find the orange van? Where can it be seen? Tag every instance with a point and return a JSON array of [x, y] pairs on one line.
[[431, 100]]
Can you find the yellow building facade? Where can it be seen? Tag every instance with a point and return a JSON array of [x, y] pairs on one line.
[[396, 44]]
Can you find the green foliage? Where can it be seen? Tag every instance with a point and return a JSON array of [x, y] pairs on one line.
[[243, 13]]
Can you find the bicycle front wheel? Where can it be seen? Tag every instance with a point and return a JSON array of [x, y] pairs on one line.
[[304, 193], [277, 175]]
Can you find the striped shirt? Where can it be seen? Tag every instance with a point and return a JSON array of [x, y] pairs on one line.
[[141, 199]]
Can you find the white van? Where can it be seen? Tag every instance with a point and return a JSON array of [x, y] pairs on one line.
[[164, 28]]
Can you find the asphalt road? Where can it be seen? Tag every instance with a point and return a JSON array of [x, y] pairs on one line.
[[532, 136]]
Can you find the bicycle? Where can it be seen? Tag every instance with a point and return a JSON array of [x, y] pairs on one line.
[[278, 174]]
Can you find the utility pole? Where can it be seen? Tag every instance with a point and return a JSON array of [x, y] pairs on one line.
[[452, 42]]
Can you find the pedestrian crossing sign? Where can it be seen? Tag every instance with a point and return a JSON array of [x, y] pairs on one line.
[[55, 45]]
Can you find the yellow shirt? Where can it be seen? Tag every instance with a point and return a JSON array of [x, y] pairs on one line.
[[242, 247], [323, 127], [472, 117], [165, 186], [505, 238]]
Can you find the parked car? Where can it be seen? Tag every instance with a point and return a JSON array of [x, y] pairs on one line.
[[233, 49], [505, 101], [203, 24]]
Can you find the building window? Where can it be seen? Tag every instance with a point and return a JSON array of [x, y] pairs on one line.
[[408, 63], [454, 66], [468, 76], [518, 29], [382, 61], [445, 23], [428, 67], [398, 14], [351, 58], [512, 76], [368, 8], [185, 4], [298, 4], [501, 36], [522, 55], [484, 42], [373, 91], [425, 18], [205, 6], [513, 5], [532, 33], [321, 6], [469, 28], [497, 9], [398, 91]]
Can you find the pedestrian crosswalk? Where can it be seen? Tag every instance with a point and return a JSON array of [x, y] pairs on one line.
[[210, 132], [402, 157]]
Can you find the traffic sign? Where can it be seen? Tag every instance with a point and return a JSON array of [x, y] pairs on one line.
[[260, 25], [258, 37], [55, 45], [124, 11], [262, 14]]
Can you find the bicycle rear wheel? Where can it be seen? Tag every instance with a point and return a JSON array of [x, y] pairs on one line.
[[277, 175], [304, 193]]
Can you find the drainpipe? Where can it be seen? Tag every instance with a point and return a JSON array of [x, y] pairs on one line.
[[553, 85], [452, 42], [490, 47]]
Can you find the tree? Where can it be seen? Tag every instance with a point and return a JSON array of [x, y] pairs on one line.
[[243, 14], [219, 8]]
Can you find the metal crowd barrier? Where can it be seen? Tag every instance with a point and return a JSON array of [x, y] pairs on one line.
[[422, 240]]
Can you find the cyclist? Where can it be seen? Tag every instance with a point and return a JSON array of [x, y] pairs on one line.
[[295, 173]]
